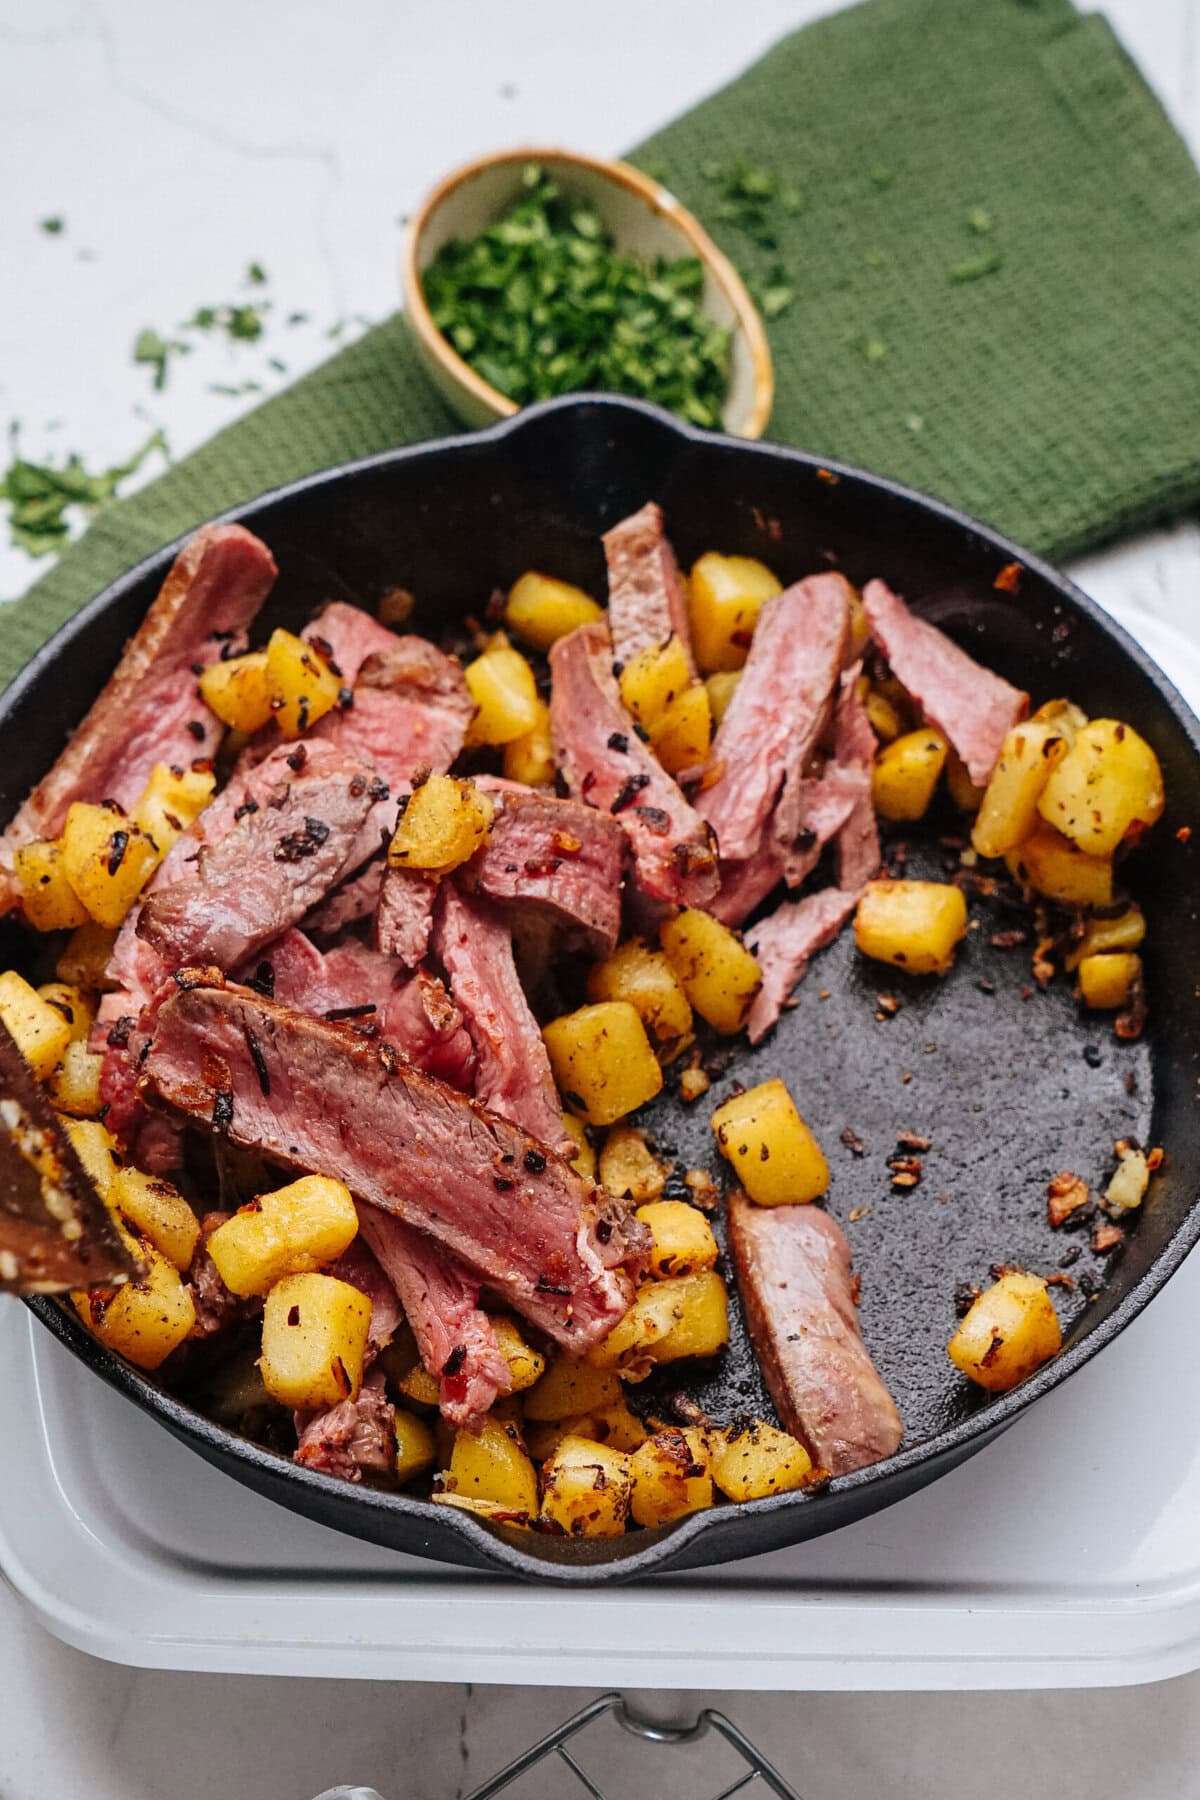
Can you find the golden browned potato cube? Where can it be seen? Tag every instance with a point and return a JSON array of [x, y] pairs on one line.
[[494, 1466], [73, 1003], [48, 900], [419, 1386], [652, 679], [911, 924], [571, 1386], [504, 690], [669, 1480], [1069, 718], [883, 716], [1011, 1329], [96, 1149], [1124, 931], [628, 1167], [714, 968], [587, 1489], [1008, 813], [683, 1239], [302, 686], [614, 1425], [86, 956], [721, 688], [416, 1446], [289, 1232], [542, 609], [530, 757], [314, 1340], [239, 691], [525, 1365], [1105, 979], [106, 859], [442, 825], [684, 1315], [962, 790], [172, 800], [906, 774], [1127, 1188], [1052, 865], [583, 1156], [748, 1462], [144, 1320], [771, 1150], [681, 735], [157, 1211], [645, 978], [38, 1029], [725, 596], [602, 1061], [75, 1084], [1107, 785]]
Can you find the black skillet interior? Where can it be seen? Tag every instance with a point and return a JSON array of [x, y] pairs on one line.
[[1011, 1086]]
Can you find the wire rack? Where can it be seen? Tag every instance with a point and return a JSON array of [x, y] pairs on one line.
[[757, 1776]]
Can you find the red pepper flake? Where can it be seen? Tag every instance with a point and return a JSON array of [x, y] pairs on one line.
[[856, 1289], [852, 1141], [1008, 581], [1184, 835], [1106, 1238], [1065, 1195], [828, 477]]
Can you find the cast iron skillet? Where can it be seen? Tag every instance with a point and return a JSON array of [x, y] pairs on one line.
[[1000, 1081]]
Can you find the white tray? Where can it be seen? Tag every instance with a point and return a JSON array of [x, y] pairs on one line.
[[1065, 1554]]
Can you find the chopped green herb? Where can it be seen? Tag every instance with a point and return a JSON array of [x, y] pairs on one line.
[[297, 318], [203, 319], [235, 390], [980, 220], [542, 303], [39, 496], [774, 294], [280, 367], [256, 275], [149, 347], [976, 267], [54, 226]]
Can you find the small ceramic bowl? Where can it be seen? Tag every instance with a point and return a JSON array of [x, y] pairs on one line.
[[645, 220]]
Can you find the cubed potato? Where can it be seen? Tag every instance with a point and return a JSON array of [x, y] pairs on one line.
[[1069, 718], [542, 609], [289, 1232], [714, 968], [669, 1481], [912, 924], [571, 1386], [587, 1489], [645, 978], [85, 957], [884, 717], [73, 1003], [906, 773], [774, 1155], [1008, 813], [172, 800], [144, 1320], [1123, 931], [683, 1238], [419, 1386], [1011, 1329], [1108, 785], [962, 790], [38, 1029], [494, 1466], [302, 686], [629, 1168], [530, 757], [613, 1425], [1105, 979], [504, 690], [725, 596], [1127, 1188], [157, 1211], [96, 1149], [106, 859], [602, 1061], [416, 1446], [48, 900], [583, 1156], [682, 734], [1053, 866], [75, 1084], [721, 688], [653, 679], [685, 1315], [314, 1340], [749, 1462], [525, 1364], [239, 691], [441, 826]]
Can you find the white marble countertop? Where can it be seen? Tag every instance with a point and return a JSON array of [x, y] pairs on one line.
[[180, 144]]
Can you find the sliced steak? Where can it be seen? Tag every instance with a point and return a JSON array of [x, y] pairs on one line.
[[974, 708], [793, 1268], [474, 947], [312, 1095], [828, 803], [345, 636], [410, 710], [561, 858], [784, 943], [778, 713], [352, 1436], [607, 766], [355, 900], [361, 1268], [150, 710], [441, 1303], [854, 747], [646, 601], [404, 915], [269, 870], [216, 1306]]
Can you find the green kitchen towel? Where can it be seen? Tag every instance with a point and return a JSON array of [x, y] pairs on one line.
[[996, 260]]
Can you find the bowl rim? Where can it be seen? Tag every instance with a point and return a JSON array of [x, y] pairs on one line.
[[669, 1548], [652, 194]]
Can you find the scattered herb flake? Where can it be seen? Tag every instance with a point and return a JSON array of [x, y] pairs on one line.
[[256, 275], [297, 318], [39, 495], [149, 347], [54, 226]]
